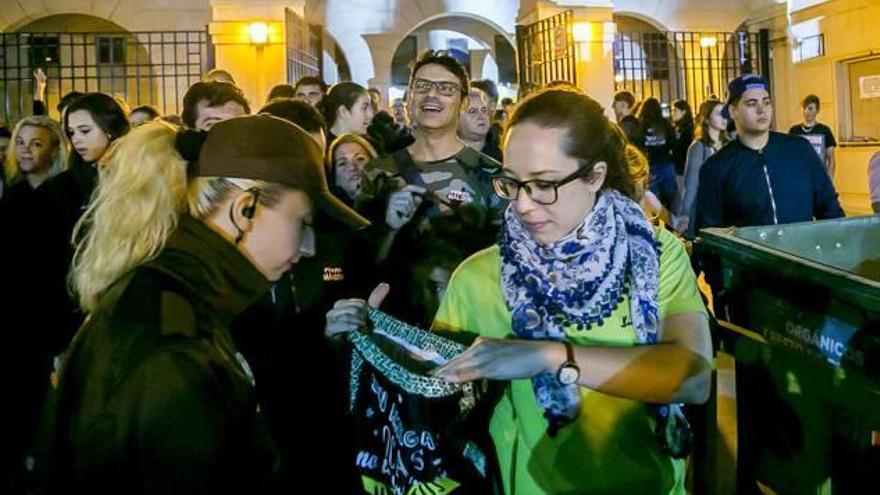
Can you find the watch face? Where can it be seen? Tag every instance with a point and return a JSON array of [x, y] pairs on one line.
[[568, 375]]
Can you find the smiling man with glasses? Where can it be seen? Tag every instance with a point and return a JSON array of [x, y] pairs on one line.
[[438, 188]]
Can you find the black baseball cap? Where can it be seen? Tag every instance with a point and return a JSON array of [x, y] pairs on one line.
[[267, 148], [740, 85]]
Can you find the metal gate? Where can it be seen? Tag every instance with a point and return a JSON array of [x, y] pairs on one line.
[[685, 65], [546, 52], [144, 68], [304, 47]]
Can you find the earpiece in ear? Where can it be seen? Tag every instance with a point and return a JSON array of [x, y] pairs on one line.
[[248, 211]]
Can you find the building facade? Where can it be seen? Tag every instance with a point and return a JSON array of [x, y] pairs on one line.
[[150, 51]]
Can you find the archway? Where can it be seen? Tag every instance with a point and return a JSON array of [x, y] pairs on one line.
[[482, 47]]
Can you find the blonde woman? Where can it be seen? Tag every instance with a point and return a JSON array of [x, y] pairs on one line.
[[37, 151], [153, 393]]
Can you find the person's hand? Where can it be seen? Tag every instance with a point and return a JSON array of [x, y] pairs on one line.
[[402, 206], [503, 359], [41, 84], [349, 315], [41, 78]]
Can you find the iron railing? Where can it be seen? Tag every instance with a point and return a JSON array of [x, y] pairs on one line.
[[546, 52], [143, 68], [686, 65], [304, 47]]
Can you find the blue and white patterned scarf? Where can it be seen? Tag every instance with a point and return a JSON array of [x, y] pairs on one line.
[[579, 281]]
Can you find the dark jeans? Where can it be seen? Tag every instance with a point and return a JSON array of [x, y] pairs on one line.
[[663, 183]]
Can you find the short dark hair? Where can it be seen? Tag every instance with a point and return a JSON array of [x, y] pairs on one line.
[[344, 93], [297, 112], [810, 99], [563, 84], [506, 101], [627, 96], [67, 99], [487, 86], [216, 93], [310, 81], [219, 75], [445, 60], [591, 137], [281, 91], [383, 118], [150, 110]]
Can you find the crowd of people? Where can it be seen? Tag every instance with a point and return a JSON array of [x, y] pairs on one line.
[[183, 282]]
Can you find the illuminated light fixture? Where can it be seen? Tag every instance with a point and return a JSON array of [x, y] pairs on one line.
[[708, 41], [580, 32], [259, 32], [618, 78]]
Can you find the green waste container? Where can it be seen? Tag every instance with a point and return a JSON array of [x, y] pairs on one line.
[[799, 309]]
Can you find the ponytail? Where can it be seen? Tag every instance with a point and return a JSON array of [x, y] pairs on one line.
[[142, 191], [344, 93]]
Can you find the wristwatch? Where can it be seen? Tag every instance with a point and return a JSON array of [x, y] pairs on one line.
[[568, 372]]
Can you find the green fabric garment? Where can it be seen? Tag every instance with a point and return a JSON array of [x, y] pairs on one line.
[[610, 448]]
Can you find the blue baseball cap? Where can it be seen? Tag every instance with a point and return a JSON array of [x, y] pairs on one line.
[[740, 85]]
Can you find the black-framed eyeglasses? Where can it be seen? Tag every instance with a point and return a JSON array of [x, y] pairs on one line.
[[445, 88], [544, 192]]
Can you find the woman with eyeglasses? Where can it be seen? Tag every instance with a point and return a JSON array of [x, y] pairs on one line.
[[589, 313]]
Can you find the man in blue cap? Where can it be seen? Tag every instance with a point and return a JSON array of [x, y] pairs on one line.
[[762, 177]]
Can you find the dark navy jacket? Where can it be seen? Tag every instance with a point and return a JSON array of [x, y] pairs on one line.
[[734, 188]]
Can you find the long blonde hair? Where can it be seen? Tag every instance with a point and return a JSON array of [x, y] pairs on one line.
[[59, 141], [141, 193]]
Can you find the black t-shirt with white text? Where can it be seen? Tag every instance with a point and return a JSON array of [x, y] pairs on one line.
[[820, 137]]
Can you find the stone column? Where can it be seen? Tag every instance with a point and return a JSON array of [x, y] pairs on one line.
[[382, 48], [478, 60]]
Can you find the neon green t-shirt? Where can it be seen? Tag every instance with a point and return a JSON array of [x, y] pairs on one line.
[[610, 448]]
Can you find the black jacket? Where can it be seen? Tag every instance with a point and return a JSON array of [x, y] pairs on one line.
[[782, 183], [153, 396], [301, 376]]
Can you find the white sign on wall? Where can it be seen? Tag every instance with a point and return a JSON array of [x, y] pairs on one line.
[[869, 87]]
